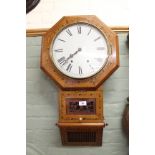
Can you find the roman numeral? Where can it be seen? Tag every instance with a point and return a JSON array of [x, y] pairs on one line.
[[100, 48], [99, 59], [69, 32], [80, 70], [58, 50], [97, 38], [79, 29], [69, 67], [62, 60], [62, 40], [89, 31]]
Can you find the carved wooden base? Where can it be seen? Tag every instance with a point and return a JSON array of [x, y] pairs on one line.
[[81, 134]]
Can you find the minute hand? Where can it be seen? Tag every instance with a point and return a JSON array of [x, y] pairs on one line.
[[71, 56]]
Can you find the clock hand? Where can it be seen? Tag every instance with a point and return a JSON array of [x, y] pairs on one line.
[[79, 49], [66, 61], [71, 56]]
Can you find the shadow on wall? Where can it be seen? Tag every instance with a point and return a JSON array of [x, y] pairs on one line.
[[32, 150]]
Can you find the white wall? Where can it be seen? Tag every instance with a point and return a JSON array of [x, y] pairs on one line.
[[48, 12]]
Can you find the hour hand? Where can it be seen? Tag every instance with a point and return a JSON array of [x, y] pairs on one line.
[[66, 60], [70, 56]]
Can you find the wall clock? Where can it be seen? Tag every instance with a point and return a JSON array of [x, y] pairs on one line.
[[79, 53], [31, 4]]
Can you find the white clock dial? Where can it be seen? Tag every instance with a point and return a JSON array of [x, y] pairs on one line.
[[79, 50]]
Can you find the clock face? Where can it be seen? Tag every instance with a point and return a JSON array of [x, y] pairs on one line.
[[79, 50]]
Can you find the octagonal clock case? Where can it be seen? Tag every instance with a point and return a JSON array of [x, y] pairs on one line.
[[79, 53]]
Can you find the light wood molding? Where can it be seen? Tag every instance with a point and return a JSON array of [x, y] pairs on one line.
[[42, 31]]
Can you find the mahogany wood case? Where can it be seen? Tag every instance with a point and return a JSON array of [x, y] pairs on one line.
[[81, 117], [65, 82]]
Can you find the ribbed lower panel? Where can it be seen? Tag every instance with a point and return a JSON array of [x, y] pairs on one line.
[[81, 135]]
